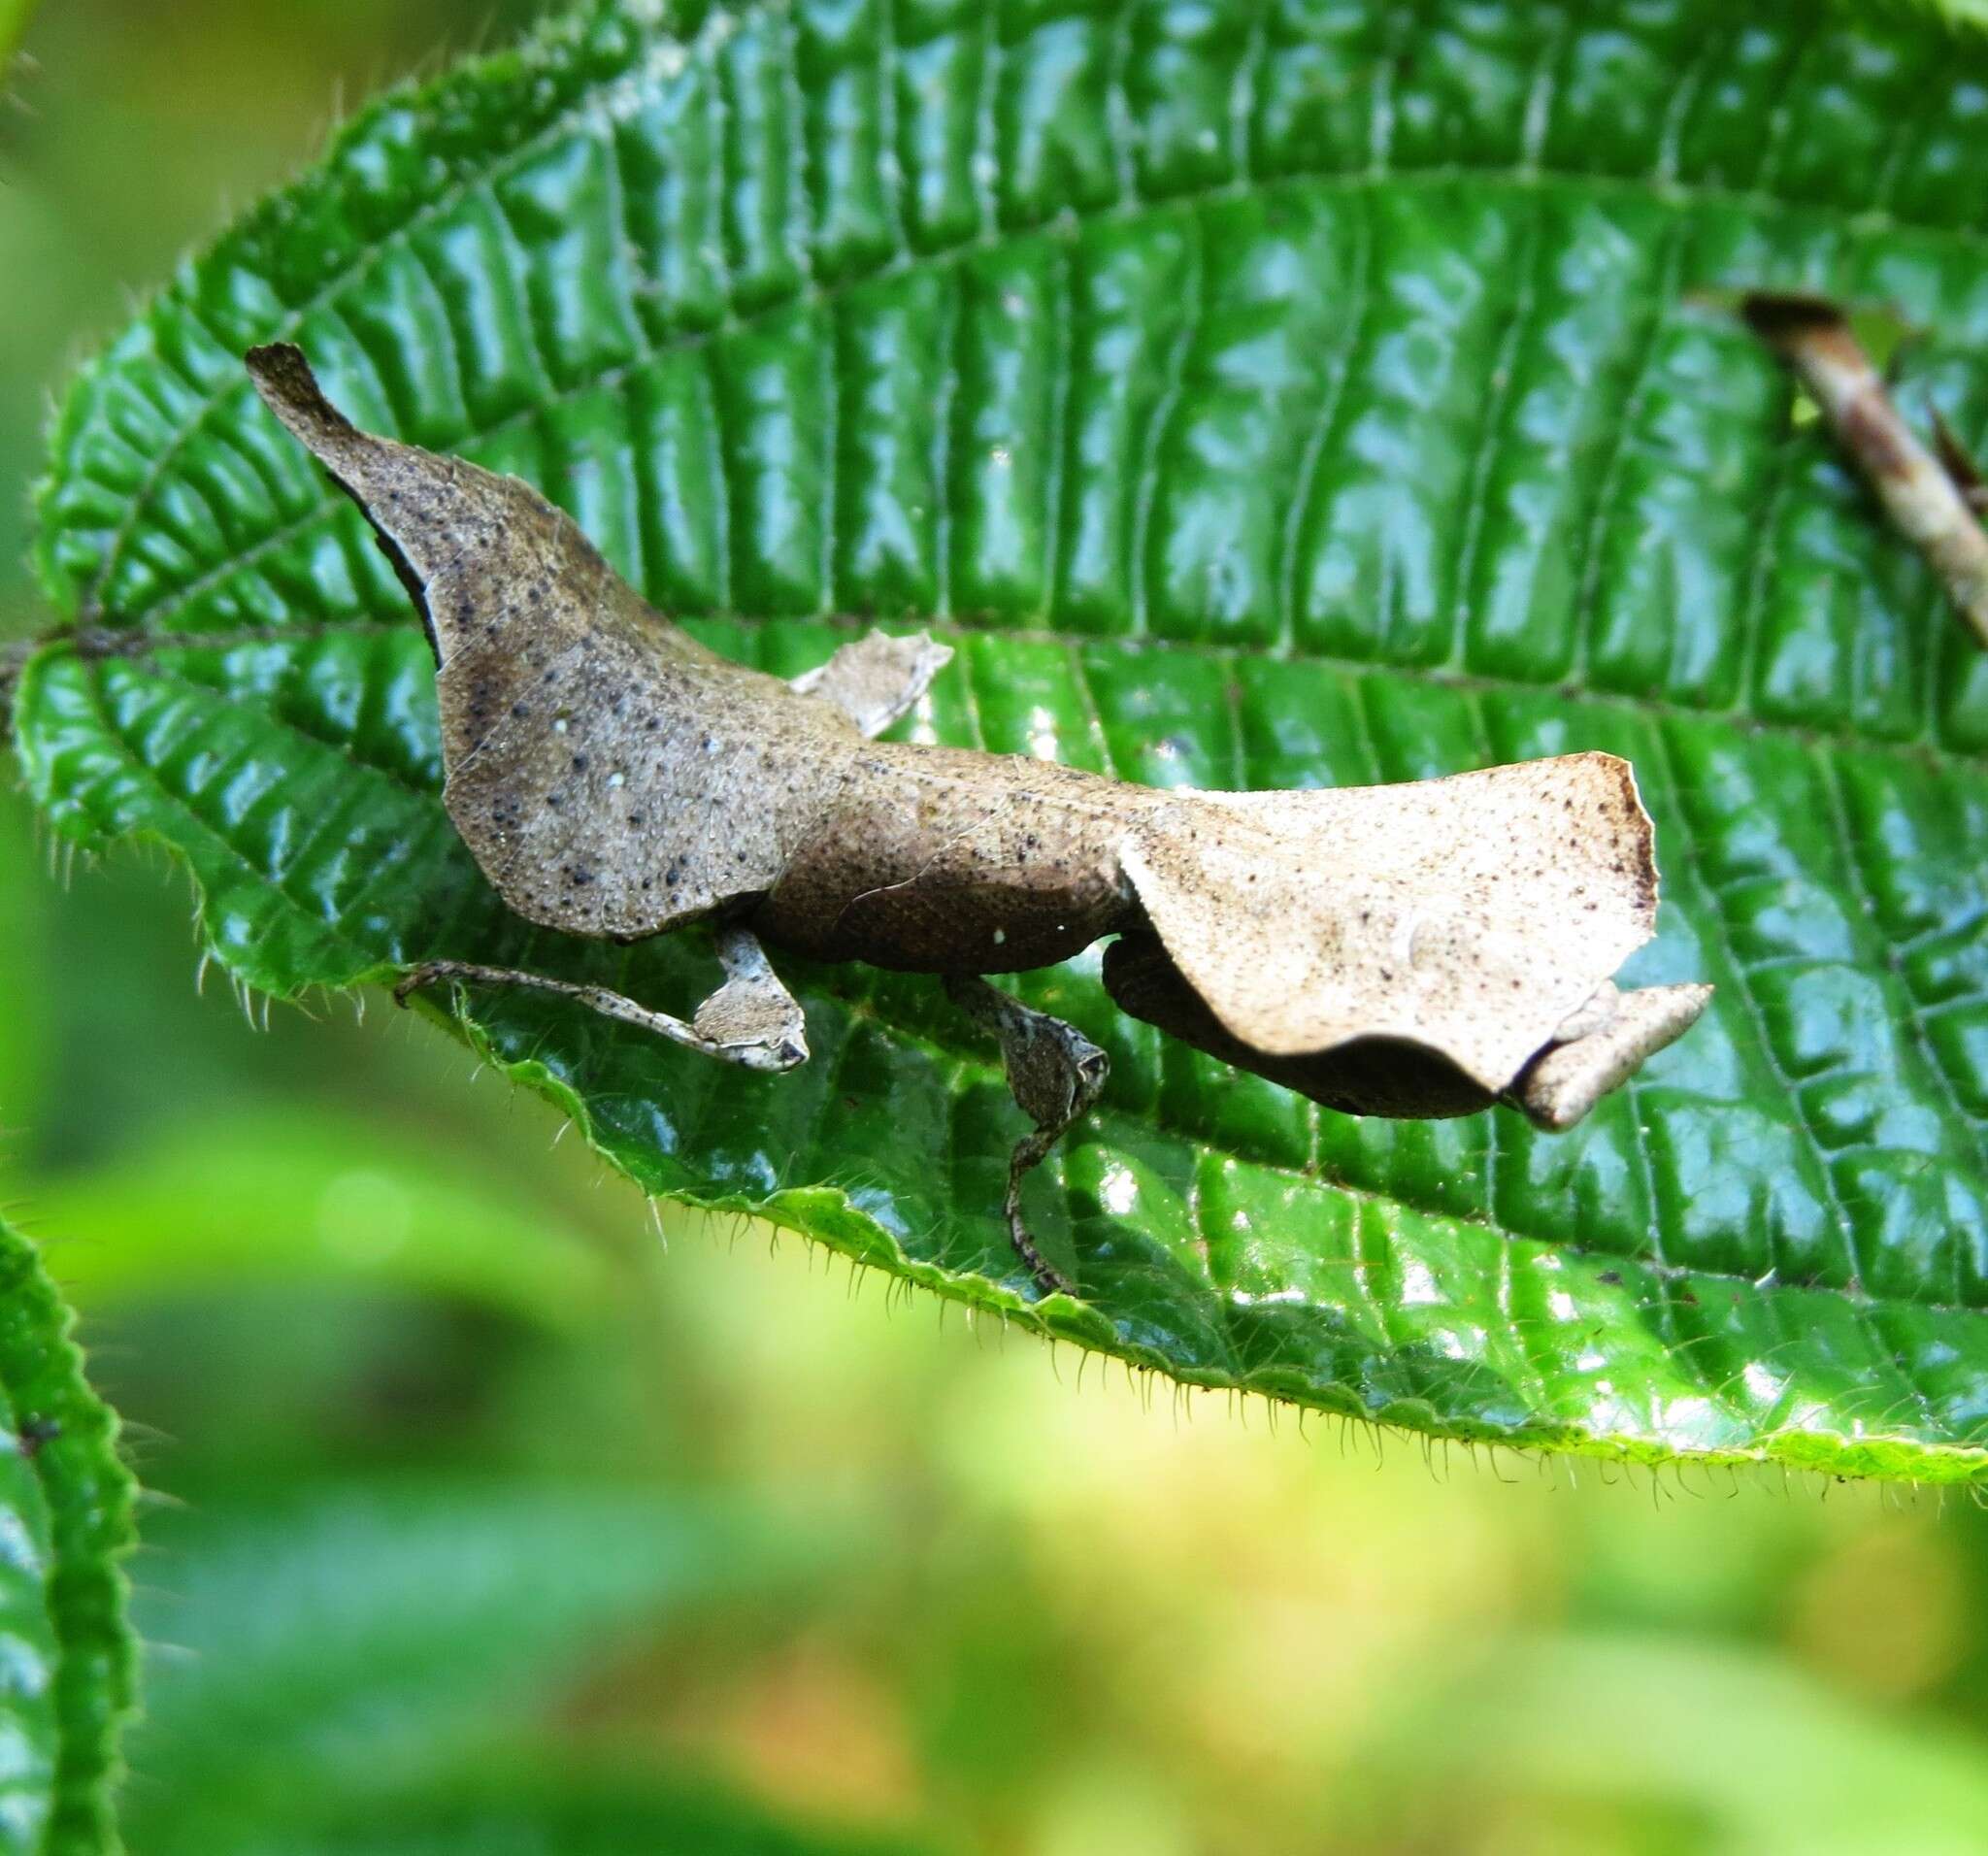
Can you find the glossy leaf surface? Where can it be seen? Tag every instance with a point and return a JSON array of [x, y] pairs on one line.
[[1260, 393], [65, 1522]]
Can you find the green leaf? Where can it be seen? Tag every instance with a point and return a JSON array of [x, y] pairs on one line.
[[346, 1640], [1258, 392], [66, 1650]]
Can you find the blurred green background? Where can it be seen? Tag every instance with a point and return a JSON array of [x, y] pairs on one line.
[[487, 1520]]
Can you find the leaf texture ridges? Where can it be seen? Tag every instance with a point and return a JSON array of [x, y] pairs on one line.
[[1259, 393]]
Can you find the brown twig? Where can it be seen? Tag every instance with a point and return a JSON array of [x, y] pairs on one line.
[[1959, 464], [1929, 502]]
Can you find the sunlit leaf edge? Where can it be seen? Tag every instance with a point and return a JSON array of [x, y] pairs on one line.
[[830, 1214]]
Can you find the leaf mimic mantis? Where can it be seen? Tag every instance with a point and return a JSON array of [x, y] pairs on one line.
[[1418, 949]]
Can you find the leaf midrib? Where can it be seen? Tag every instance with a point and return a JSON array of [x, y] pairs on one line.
[[1911, 751], [857, 1005]]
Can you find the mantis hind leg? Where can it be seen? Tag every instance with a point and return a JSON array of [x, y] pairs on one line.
[[1055, 1074], [751, 1020]]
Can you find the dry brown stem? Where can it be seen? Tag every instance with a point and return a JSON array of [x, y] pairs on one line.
[[1930, 501]]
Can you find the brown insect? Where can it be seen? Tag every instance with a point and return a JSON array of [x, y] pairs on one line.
[[1421, 949]]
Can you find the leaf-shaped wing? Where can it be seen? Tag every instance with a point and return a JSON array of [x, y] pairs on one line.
[[608, 772], [1473, 917]]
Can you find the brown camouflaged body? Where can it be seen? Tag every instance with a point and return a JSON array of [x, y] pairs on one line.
[[942, 860], [613, 777]]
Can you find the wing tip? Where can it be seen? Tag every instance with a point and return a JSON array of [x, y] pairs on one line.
[[1566, 1081]]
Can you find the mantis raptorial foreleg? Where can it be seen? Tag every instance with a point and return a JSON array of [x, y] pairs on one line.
[[751, 1020], [1055, 1074]]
